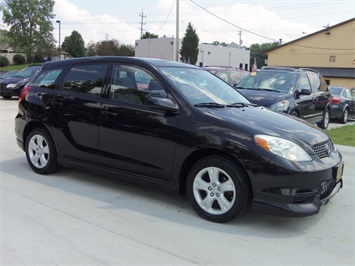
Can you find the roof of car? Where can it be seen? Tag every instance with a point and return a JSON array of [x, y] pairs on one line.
[[287, 69], [123, 59]]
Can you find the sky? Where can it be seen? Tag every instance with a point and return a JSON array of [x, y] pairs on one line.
[[252, 21]]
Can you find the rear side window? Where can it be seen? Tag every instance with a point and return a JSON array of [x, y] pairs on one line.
[[47, 78], [86, 79]]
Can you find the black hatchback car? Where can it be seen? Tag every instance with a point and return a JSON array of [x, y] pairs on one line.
[[300, 92], [14, 85], [187, 131]]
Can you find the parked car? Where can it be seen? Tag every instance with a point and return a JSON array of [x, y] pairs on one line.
[[299, 92], [8, 74], [13, 86], [229, 74], [188, 132], [343, 103]]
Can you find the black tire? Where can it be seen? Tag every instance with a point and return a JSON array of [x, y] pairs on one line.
[[294, 113], [227, 194], [40, 152], [326, 119], [6, 96], [344, 119]]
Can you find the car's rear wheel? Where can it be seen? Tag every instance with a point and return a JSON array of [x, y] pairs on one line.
[[218, 189], [345, 117], [326, 119], [40, 152]]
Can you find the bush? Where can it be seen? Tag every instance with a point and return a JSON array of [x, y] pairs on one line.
[[19, 59], [3, 61]]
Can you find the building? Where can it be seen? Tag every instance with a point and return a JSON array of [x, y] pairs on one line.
[[232, 55], [164, 48], [330, 51]]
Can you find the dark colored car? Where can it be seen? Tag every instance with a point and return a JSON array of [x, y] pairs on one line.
[[296, 91], [343, 103], [13, 86], [187, 132], [8, 74], [229, 74]]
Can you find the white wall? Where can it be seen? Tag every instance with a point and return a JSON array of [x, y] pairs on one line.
[[164, 48], [161, 48], [211, 55]]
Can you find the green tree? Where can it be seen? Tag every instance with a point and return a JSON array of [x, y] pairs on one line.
[[30, 24], [148, 35], [258, 51], [126, 50], [189, 46], [107, 47], [74, 45]]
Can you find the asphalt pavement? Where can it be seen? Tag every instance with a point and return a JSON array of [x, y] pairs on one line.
[[77, 218]]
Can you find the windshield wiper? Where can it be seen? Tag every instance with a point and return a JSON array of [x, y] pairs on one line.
[[257, 89], [238, 105], [210, 104]]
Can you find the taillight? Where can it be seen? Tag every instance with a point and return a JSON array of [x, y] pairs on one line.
[[335, 100], [24, 93]]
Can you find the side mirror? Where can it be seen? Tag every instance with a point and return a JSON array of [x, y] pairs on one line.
[[305, 92], [163, 104]]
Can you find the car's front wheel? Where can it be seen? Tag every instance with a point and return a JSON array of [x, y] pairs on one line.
[[217, 189], [40, 152]]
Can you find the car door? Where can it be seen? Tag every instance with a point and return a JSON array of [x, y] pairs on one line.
[[313, 98], [75, 107], [134, 137]]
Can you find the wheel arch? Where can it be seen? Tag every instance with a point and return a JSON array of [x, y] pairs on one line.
[[203, 153]]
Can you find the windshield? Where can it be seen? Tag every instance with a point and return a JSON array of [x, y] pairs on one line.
[[198, 86], [269, 80], [27, 72]]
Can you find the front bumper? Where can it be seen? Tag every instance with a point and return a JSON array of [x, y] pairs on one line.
[[298, 189], [9, 92], [301, 209]]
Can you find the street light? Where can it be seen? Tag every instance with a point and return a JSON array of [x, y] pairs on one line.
[[58, 21]]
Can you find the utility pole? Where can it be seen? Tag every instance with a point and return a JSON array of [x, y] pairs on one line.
[[240, 39], [177, 42], [142, 17]]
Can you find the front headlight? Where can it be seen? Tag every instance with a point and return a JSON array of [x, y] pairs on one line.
[[282, 147], [11, 85], [281, 106]]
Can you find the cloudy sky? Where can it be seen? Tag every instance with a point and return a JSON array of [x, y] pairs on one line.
[[258, 21]]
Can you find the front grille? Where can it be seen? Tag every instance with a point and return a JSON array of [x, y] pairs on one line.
[[326, 188], [324, 149]]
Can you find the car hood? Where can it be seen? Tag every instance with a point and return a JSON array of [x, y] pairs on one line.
[[264, 97], [260, 120], [14, 80]]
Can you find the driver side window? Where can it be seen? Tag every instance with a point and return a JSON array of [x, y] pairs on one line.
[[133, 85], [304, 84]]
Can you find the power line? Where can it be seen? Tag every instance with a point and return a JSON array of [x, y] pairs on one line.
[[166, 18], [262, 36], [141, 28]]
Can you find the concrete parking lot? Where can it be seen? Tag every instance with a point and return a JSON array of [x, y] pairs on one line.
[[77, 218]]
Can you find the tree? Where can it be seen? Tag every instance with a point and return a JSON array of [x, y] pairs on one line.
[[74, 45], [148, 35], [30, 24], [107, 47], [189, 46], [126, 50], [258, 51]]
